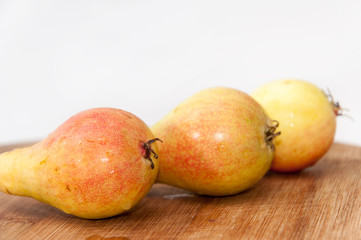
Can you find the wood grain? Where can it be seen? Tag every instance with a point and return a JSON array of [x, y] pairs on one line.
[[322, 202]]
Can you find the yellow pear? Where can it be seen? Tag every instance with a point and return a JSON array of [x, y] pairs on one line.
[[95, 165], [307, 118], [218, 142]]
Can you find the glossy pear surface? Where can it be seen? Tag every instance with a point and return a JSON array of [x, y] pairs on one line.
[[214, 143], [307, 121], [92, 166]]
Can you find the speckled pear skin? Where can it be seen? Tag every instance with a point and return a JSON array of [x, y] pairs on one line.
[[214, 143], [91, 166]]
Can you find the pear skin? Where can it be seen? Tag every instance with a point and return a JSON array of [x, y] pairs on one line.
[[218, 142], [97, 164], [307, 121]]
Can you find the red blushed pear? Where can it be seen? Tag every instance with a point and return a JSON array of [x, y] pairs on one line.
[[307, 118], [98, 164], [218, 142]]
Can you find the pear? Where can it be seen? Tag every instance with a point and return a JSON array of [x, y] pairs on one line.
[[307, 121], [95, 165], [218, 142]]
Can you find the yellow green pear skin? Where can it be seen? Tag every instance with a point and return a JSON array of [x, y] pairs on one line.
[[307, 121], [214, 143], [92, 166]]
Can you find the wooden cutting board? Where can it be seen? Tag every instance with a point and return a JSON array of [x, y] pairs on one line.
[[322, 202]]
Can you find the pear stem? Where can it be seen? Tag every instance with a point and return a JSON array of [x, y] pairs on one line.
[[271, 133], [146, 146], [336, 107]]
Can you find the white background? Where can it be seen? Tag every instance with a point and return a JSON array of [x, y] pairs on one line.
[[61, 57]]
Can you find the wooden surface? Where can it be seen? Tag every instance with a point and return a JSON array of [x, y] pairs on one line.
[[323, 202]]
